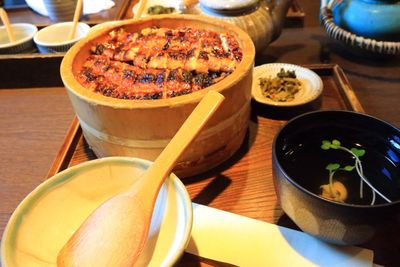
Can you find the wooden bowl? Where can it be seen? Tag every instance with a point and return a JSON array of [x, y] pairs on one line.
[[142, 128]]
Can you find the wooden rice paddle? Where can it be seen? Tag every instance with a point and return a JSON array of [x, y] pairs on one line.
[[77, 15], [116, 232], [6, 22], [139, 12]]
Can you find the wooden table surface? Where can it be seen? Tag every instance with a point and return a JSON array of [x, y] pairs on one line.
[[33, 121]]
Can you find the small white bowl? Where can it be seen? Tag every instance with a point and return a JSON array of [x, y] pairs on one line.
[[44, 221], [53, 38], [24, 33], [311, 84]]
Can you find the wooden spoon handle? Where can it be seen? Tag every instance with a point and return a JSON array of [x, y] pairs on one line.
[[77, 15], [115, 233], [139, 12], [189, 3], [6, 22], [164, 163]]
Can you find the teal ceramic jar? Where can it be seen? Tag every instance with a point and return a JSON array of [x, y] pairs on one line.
[[375, 19]]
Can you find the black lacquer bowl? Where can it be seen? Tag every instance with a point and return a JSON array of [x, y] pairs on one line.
[[312, 146]]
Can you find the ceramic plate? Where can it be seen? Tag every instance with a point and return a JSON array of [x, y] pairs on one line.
[[49, 215], [311, 84]]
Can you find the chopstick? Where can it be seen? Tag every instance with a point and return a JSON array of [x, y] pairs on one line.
[[188, 257], [77, 15], [142, 4], [189, 3], [6, 22]]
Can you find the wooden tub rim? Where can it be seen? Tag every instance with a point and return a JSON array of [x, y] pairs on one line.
[[72, 84]]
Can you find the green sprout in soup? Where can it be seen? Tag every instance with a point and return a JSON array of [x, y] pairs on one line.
[[335, 190]]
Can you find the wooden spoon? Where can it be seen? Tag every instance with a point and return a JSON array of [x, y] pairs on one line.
[[188, 4], [139, 12], [115, 233], [6, 22], [77, 15]]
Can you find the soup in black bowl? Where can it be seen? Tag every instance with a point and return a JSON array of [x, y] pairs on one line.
[[337, 174]]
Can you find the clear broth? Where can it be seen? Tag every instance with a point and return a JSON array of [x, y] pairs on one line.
[[306, 163]]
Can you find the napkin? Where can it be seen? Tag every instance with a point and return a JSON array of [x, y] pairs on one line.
[[95, 6], [241, 241]]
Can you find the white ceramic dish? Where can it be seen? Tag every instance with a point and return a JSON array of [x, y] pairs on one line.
[[53, 38], [311, 84], [24, 33], [48, 216]]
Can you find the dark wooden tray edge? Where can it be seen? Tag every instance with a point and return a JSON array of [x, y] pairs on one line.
[[295, 15], [346, 91], [67, 148]]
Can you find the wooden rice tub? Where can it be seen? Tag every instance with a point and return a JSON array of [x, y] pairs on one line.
[[142, 128]]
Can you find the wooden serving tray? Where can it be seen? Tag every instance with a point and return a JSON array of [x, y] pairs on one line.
[[227, 186], [243, 184], [295, 15]]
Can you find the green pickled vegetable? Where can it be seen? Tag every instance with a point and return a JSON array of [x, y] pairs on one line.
[[158, 9], [281, 88]]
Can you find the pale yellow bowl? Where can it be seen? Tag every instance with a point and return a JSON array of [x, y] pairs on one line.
[[50, 214]]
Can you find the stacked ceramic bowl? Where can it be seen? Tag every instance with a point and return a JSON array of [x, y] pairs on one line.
[[60, 10]]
